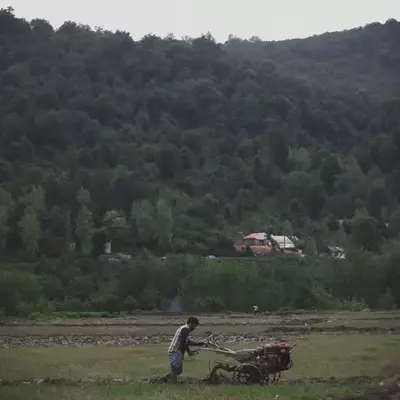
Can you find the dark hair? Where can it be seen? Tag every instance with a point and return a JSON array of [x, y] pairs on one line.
[[193, 320]]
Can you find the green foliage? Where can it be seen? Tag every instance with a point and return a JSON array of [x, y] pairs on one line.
[[35, 199], [212, 304], [366, 233], [164, 223], [387, 301], [300, 159], [4, 229], [18, 289], [83, 197], [149, 283], [143, 217], [176, 145], [116, 227], [330, 170], [310, 246], [84, 229], [30, 231], [129, 304]]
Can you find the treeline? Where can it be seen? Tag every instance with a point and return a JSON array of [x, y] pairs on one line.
[[363, 280], [28, 230]]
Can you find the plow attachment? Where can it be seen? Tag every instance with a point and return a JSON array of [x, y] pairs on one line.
[[262, 365]]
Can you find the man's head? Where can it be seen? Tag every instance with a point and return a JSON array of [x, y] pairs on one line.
[[192, 323]]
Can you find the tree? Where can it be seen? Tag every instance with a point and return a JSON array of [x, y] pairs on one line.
[[316, 201], [6, 207], [394, 225], [83, 197], [366, 233], [310, 247], [142, 218], [30, 231], [279, 147], [297, 185], [84, 221], [300, 159], [377, 199], [149, 297], [164, 223], [116, 225], [330, 169], [35, 198], [84, 229]]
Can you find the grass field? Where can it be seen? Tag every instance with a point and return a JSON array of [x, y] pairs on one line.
[[329, 363], [147, 392]]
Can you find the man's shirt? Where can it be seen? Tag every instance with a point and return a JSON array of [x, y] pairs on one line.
[[181, 341]]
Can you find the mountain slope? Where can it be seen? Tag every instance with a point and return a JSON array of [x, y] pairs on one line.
[[364, 58], [189, 140]]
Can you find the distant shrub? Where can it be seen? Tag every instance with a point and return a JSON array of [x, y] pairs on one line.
[[212, 304], [351, 305], [129, 304], [24, 310], [110, 303], [387, 301]]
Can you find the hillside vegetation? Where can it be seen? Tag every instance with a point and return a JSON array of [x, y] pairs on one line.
[[175, 145]]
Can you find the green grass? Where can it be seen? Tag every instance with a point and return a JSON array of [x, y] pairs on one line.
[[154, 392], [316, 355]]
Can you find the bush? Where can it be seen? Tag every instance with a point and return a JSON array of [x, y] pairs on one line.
[[387, 301], [323, 300], [72, 304], [129, 304], [46, 308], [212, 304], [352, 305], [110, 303], [24, 310]]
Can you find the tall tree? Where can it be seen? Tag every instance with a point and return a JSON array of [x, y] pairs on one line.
[[330, 169], [84, 229], [366, 233], [116, 225], [35, 198], [6, 207], [143, 221], [30, 231], [377, 199], [84, 222], [164, 225]]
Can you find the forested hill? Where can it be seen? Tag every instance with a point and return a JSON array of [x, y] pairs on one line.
[[175, 144], [358, 59]]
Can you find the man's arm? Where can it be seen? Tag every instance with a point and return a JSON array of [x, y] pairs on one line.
[[185, 341], [192, 342]]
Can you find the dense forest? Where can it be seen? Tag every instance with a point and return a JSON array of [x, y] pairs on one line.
[[174, 145]]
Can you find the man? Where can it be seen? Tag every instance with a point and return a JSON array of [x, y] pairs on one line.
[[255, 309], [179, 345]]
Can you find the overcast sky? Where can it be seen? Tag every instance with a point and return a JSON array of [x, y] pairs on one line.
[[268, 19]]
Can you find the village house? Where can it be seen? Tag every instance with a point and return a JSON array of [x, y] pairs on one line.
[[336, 252], [260, 244]]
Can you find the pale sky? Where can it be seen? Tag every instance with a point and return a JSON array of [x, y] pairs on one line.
[[268, 19]]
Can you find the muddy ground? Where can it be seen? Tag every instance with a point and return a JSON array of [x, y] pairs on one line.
[[154, 329]]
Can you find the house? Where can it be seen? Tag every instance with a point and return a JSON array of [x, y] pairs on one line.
[[259, 238], [285, 244], [282, 242], [336, 252], [259, 243]]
